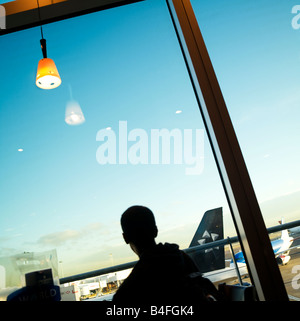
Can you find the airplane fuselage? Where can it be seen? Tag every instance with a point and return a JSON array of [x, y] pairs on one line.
[[280, 248]]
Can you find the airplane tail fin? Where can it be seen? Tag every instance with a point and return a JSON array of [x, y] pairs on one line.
[[209, 230], [284, 233]]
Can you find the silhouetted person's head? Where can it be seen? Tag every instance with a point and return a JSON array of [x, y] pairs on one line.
[[139, 228]]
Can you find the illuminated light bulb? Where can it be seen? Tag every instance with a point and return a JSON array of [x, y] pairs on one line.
[[47, 76], [74, 114]]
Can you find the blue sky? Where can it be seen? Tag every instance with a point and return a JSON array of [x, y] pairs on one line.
[[259, 49], [125, 64]]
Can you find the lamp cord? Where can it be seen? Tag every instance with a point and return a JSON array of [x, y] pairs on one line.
[[40, 18]]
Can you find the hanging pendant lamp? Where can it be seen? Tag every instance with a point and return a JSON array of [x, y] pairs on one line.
[[47, 76]]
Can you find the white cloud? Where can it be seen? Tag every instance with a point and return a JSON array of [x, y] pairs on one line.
[[59, 238], [62, 237]]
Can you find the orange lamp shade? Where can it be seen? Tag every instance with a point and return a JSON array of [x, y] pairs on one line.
[[47, 76]]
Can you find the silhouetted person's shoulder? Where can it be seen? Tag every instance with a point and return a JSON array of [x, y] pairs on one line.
[[157, 277]]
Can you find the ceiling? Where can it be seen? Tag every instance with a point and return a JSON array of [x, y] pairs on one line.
[[23, 14]]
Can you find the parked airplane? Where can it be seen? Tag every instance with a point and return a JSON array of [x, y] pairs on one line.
[[281, 248], [211, 259]]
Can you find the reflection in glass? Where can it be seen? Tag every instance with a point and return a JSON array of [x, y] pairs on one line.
[[74, 114]]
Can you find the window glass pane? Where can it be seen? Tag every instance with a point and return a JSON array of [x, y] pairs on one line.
[[64, 186], [254, 49]]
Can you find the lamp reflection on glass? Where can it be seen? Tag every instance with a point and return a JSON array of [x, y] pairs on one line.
[[74, 114]]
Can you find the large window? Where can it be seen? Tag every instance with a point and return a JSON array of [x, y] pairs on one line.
[[255, 52], [141, 138], [64, 187]]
